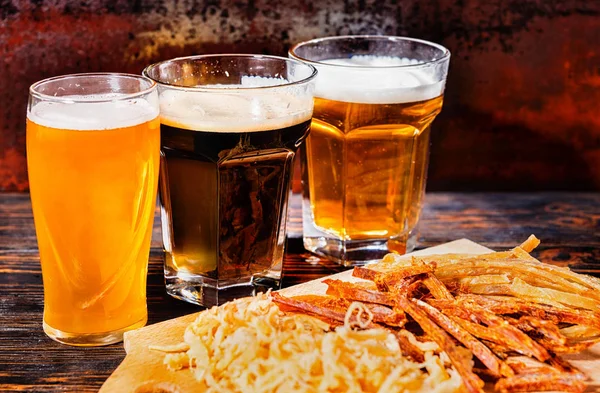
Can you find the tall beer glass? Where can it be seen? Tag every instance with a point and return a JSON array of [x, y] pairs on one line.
[[230, 128], [365, 161], [93, 145]]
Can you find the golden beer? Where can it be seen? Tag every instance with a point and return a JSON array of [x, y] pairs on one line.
[[365, 160], [93, 173], [367, 180]]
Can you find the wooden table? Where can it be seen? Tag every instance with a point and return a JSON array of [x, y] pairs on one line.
[[567, 223]]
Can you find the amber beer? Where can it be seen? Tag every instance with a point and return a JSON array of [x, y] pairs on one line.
[[230, 128], [93, 165], [365, 161], [367, 180]]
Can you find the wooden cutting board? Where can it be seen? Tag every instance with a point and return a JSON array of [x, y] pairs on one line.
[[142, 370]]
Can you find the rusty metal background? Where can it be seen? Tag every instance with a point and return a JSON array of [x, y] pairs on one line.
[[522, 109]]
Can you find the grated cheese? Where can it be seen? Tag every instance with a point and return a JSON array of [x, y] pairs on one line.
[[249, 345]]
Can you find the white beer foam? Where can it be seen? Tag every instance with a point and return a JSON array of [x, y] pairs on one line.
[[377, 84], [240, 110], [88, 116]]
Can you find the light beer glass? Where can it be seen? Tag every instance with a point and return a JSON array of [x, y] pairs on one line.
[[365, 161], [93, 143], [230, 128]]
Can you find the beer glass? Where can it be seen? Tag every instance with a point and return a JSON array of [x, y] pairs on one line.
[[230, 128], [365, 161], [93, 144]]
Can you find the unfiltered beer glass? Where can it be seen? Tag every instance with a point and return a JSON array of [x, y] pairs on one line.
[[93, 144], [230, 128], [365, 161]]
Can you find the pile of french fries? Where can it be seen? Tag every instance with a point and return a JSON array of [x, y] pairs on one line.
[[501, 318]]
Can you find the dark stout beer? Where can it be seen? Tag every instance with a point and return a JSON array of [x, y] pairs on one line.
[[225, 195], [230, 129]]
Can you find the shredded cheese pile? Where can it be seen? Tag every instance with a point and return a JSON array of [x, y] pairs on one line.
[[249, 345]]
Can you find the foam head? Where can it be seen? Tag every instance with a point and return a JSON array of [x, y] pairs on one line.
[[237, 108], [81, 114], [376, 80]]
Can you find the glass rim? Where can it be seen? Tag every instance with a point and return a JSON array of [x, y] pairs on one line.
[[68, 99], [445, 52], [207, 88]]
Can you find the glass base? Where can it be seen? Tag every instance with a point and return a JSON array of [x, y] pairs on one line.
[[90, 339], [209, 292], [358, 252]]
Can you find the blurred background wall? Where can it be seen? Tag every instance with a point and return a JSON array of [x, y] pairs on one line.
[[522, 107]]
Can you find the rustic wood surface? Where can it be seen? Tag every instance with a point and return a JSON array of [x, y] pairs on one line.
[[567, 223]]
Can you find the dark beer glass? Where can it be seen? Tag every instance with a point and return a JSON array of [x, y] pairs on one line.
[[230, 128]]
